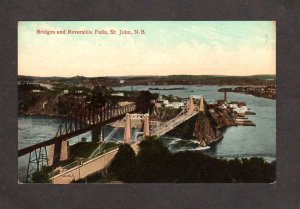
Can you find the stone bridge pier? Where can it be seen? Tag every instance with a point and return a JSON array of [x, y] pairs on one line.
[[58, 152]]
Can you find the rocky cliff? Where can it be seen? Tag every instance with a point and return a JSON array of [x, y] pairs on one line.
[[205, 127], [40, 103], [205, 130], [224, 118], [202, 127]]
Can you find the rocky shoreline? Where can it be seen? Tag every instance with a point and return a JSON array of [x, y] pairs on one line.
[[208, 127]]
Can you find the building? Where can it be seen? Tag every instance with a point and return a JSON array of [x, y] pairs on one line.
[[165, 102], [120, 94], [79, 91], [36, 90], [240, 110], [175, 105]]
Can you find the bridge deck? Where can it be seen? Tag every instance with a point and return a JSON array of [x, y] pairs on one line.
[[171, 124]]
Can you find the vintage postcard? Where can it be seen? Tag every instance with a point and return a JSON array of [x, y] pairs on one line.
[[146, 102]]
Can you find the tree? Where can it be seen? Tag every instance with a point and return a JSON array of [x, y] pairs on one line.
[[41, 176], [124, 163], [153, 161], [143, 102]]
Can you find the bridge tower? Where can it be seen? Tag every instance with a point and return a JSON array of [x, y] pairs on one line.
[[128, 118], [146, 125], [190, 105], [201, 108], [127, 131]]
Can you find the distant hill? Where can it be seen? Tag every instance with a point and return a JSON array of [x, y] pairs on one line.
[[263, 77], [37, 78], [160, 80]]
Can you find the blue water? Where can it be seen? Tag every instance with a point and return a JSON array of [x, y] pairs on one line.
[[241, 141]]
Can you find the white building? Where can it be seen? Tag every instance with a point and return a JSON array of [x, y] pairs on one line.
[[165, 102], [36, 90], [233, 106], [175, 105], [223, 106], [79, 91], [241, 110], [121, 94]]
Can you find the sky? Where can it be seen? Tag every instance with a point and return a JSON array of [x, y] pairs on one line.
[[166, 48]]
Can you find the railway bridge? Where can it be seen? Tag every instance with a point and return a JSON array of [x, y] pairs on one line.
[[84, 118]]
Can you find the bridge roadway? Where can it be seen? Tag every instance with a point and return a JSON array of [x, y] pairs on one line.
[[171, 124], [102, 161], [87, 168]]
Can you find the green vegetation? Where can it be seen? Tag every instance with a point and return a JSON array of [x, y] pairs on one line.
[[154, 163], [143, 102], [80, 152], [25, 101], [82, 149], [27, 87], [171, 98], [42, 176], [124, 163], [109, 145]]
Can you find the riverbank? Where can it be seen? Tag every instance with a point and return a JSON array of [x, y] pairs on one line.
[[268, 92], [208, 127], [179, 88], [44, 115]]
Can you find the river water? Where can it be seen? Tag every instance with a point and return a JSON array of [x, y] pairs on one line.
[[240, 141]]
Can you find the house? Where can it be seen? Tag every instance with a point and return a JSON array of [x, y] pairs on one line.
[[36, 90], [79, 91], [241, 110], [165, 102], [177, 104], [118, 94]]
